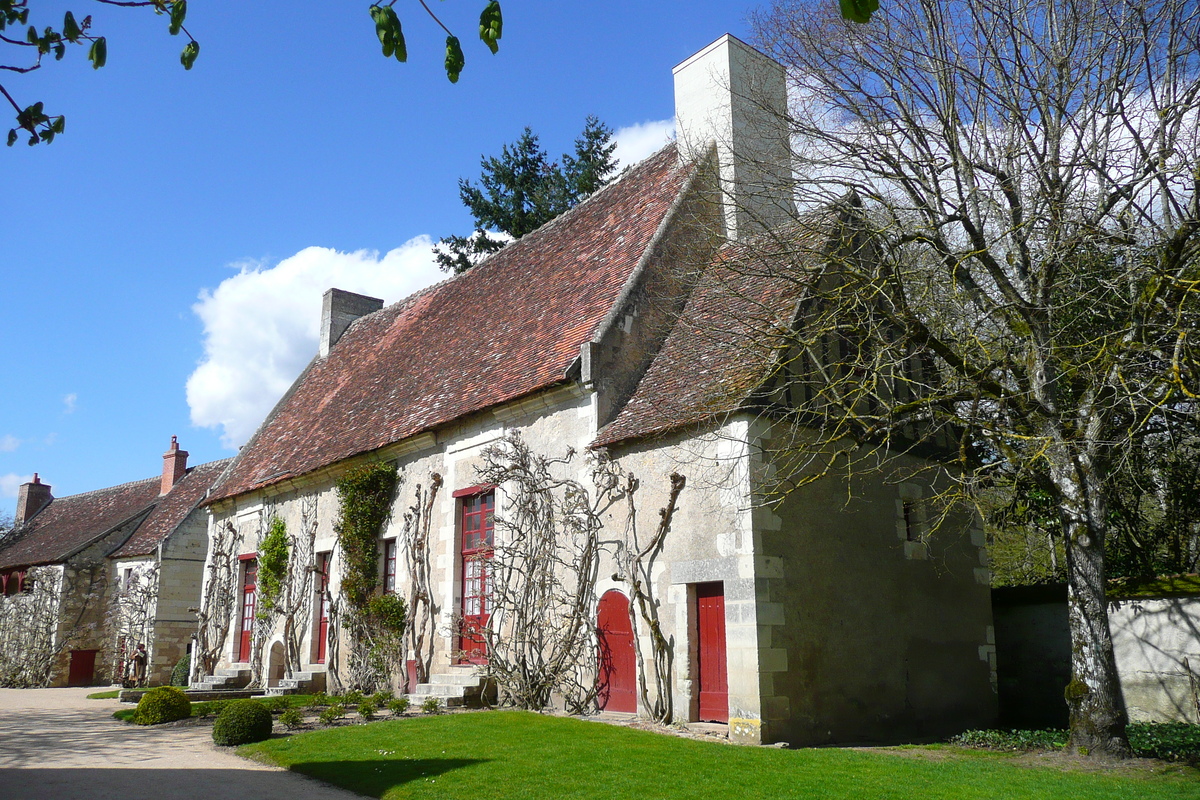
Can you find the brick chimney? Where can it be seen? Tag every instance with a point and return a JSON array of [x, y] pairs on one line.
[[174, 466], [339, 308], [32, 498]]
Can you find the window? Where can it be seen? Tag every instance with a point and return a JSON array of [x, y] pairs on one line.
[[389, 566], [126, 580], [911, 530], [13, 580]]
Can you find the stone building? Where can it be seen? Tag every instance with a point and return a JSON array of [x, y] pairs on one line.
[[90, 576], [620, 332]]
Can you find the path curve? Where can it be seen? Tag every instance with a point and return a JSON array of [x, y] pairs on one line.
[[55, 744]]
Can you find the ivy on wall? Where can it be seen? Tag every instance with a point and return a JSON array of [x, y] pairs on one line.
[[365, 494], [272, 565]]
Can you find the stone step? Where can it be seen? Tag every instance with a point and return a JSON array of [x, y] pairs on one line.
[[415, 701], [233, 673], [442, 690], [455, 679]]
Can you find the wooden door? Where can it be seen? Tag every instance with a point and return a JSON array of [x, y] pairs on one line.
[[249, 601], [322, 601], [82, 671], [713, 683], [617, 686], [477, 539]]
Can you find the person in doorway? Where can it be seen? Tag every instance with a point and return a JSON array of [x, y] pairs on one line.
[[137, 666]]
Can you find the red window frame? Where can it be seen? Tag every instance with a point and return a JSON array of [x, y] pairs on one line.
[[477, 532], [249, 565], [13, 582], [322, 602], [389, 566]]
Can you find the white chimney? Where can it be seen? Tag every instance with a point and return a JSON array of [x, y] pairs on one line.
[[339, 308], [733, 96]]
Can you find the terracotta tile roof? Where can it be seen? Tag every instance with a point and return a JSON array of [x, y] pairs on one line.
[[724, 343], [172, 509], [70, 523], [509, 327]]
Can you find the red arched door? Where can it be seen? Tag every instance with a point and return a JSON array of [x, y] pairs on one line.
[[617, 689]]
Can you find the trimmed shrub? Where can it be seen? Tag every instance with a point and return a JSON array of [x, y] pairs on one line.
[[431, 705], [366, 710], [319, 700], [183, 668], [332, 714], [274, 703], [398, 706], [381, 699], [352, 698], [242, 722], [164, 704], [291, 719]]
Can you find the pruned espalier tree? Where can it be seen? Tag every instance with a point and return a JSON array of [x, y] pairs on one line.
[[1013, 285]]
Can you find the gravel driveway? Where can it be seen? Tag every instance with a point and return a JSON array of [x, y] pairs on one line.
[[55, 744]]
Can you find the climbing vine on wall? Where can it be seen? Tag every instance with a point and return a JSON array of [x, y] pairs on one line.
[[219, 600], [540, 637], [636, 554], [422, 604], [272, 565], [365, 494]]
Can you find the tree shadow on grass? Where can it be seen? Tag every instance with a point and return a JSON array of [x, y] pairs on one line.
[[375, 777]]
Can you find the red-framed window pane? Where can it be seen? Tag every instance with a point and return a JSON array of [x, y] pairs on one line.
[[322, 606], [478, 527], [249, 604], [389, 566]]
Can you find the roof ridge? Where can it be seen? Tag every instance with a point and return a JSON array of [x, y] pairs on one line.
[[627, 174]]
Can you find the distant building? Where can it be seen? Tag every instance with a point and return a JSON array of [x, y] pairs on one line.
[[86, 578]]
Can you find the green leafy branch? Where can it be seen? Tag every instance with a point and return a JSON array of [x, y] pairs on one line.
[[33, 119], [391, 35], [365, 494]]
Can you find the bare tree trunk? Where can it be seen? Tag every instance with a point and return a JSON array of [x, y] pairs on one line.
[[1094, 697]]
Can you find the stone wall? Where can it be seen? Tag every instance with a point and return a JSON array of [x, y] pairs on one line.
[[1156, 642]]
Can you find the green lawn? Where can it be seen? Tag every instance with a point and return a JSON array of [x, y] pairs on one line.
[[110, 695], [510, 754]]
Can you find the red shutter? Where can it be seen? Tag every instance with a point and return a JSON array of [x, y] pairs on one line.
[[711, 669], [322, 606], [477, 532], [249, 602]]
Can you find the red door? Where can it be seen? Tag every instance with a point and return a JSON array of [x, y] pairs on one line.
[[249, 584], [82, 671], [711, 669], [617, 689], [322, 606], [477, 537]]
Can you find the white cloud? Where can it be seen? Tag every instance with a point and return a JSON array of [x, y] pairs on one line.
[[10, 483], [8, 443], [636, 142], [262, 326], [69, 403]]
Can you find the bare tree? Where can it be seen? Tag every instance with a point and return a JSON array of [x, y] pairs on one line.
[[1014, 281], [636, 554], [130, 617], [220, 598], [422, 603], [542, 570], [29, 630], [296, 598]]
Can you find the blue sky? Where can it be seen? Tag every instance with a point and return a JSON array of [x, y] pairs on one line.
[[186, 223]]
